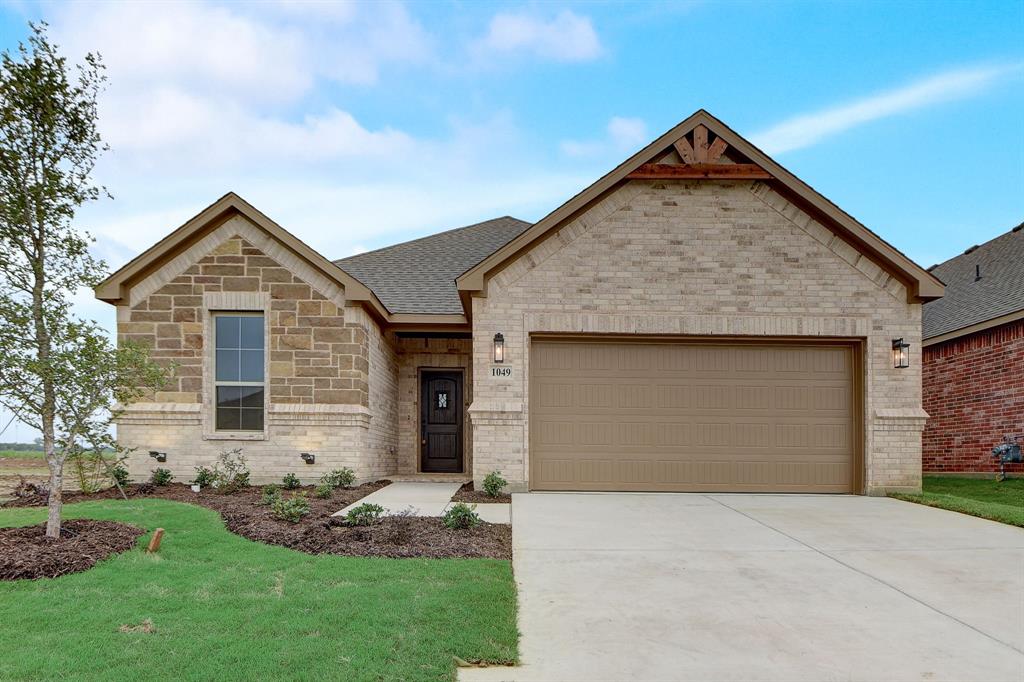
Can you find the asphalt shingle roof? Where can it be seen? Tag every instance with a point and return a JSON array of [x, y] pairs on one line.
[[1000, 291], [419, 276]]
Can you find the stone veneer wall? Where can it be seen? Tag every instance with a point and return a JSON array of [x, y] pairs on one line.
[[415, 354], [322, 356], [702, 258]]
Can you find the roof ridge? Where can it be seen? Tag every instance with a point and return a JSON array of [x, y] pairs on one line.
[[973, 249], [429, 236]]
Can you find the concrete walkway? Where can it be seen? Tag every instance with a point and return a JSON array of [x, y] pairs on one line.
[[762, 587], [426, 498]]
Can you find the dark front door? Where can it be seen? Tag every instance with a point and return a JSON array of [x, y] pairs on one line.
[[441, 421]]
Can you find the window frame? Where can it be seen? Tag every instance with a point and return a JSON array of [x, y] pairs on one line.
[[239, 433]]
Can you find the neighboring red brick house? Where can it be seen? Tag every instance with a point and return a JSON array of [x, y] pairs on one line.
[[974, 357]]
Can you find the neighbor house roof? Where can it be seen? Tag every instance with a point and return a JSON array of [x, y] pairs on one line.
[[921, 285], [419, 276], [984, 288]]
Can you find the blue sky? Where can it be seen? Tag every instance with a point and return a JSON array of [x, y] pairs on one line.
[[359, 125]]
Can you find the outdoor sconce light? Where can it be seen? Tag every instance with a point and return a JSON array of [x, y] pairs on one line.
[[158, 456], [900, 354], [499, 347], [307, 457]]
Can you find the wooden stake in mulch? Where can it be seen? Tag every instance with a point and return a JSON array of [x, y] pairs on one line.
[[154, 542]]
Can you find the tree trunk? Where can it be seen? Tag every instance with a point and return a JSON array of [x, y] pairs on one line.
[[53, 508]]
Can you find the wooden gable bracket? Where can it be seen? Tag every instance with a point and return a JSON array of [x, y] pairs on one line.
[[700, 160], [699, 171]]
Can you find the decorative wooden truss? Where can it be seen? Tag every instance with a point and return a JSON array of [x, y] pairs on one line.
[[701, 160]]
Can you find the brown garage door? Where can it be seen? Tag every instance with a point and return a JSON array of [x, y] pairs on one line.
[[674, 416]]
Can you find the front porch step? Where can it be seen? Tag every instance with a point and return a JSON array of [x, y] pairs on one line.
[[431, 478]]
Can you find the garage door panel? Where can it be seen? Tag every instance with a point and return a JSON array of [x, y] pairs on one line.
[[664, 416]]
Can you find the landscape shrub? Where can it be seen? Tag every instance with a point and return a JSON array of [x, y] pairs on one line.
[[339, 478], [230, 473], [365, 514], [460, 516], [269, 493], [204, 477], [493, 483], [161, 477], [291, 481], [291, 509], [323, 491], [400, 526], [120, 474]]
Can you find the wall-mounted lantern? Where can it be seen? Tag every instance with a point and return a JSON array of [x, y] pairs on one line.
[[308, 457], [900, 354], [158, 456], [499, 347]]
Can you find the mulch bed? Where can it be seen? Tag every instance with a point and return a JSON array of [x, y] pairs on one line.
[[469, 495], [26, 552], [318, 532]]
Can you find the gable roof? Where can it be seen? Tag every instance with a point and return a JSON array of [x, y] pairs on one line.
[[970, 303], [921, 285], [114, 289], [418, 277]]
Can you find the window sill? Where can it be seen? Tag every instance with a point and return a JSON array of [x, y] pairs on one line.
[[235, 435]]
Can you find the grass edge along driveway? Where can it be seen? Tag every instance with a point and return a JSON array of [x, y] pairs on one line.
[[982, 497], [223, 607]]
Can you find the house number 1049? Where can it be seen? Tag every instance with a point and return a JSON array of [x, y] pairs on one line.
[[501, 371]]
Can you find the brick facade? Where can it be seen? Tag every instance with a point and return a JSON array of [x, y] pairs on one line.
[[700, 258], [314, 356], [974, 394], [653, 257], [331, 373]]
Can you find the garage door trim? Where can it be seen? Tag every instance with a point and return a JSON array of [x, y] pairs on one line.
[[855, 345]]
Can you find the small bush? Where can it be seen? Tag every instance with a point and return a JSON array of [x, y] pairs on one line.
[[269, 493], [230, 473], [204, 477], [339, 478], [460, 516], [161, 477], [323, 491], [120, 474], [493, 483], [365, 514], [400, 526], [292, 509], [291, 482]]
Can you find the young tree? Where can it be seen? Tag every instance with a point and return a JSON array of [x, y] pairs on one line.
[[58, 373]]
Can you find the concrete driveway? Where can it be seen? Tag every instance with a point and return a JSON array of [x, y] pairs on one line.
[[762, 587]]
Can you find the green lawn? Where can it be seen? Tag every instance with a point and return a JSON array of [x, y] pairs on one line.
[[987, 498], [23, 454], [38, 454], [226, 608]]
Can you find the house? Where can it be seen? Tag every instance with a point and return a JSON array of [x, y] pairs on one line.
[[697, 319], [974, 357]]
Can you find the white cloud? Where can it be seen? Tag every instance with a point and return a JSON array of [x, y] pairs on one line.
[[808, 129], [622, 135], [566, 37], [627, 132], [211, 49], [263, 52], [279, 134]]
